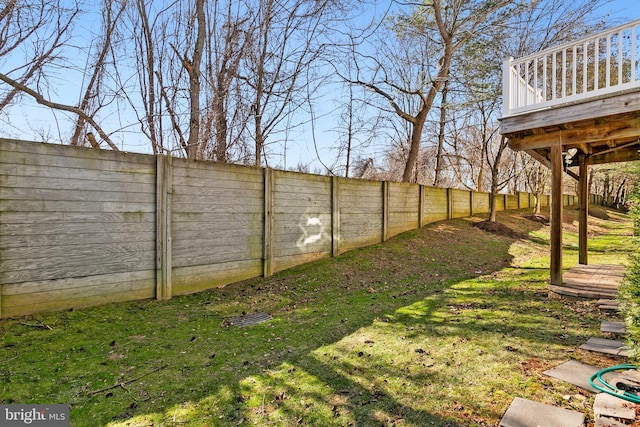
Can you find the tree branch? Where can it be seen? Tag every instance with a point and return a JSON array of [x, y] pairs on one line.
[[57, 106]]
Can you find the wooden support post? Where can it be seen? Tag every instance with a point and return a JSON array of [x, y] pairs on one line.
[[335, 216], [449, 203], [385, 210], [267, 239], [421, 202], [163, 227], [471, 202], [583, 209], [556, 215]]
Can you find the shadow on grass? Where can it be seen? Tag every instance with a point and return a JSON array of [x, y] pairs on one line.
[[403, 332]]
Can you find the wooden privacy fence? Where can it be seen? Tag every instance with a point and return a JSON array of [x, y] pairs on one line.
[[81, 227]]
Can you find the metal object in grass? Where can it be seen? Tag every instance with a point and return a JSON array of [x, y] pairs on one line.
[[248, 319]]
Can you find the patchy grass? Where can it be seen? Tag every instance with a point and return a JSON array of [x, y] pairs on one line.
[[440, 326]]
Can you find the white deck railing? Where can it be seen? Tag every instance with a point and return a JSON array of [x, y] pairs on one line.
[[596, 65]]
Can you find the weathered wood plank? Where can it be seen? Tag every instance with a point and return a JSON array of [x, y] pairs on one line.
[[40, 242], [198, 278], [43, 257], [76, 297], [556, 215], [286, 262], [70, 219], [481, 203], [38, 286], [616, 104], [14, 271], [146, 174], [268, 221], [74, 206], [512, 201], [220, 255], [461, 203], [54, 155], [29, 194]]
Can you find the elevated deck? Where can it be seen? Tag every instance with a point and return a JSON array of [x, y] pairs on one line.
[[575, 105], [583, 96]]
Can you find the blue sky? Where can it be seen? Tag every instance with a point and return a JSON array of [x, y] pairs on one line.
[[24, 120], [625, 10]]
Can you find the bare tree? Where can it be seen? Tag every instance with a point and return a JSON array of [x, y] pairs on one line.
[[93, 100], [225, 118], [428, 36], [278, 70], [32, 35]]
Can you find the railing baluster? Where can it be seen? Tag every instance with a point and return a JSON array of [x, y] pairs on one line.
[[585, 60], [607, 81], [563, 80], [544, 77], [526, 89], [596, 64], [620, 59], [574, 69], [554, 78], [535, 81], [633, 54], [526, 82]]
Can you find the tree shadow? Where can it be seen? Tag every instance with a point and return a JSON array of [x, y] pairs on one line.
[[236, 376]]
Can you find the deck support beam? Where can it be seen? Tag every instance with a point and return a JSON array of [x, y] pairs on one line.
[[556, 214], [583, 208]]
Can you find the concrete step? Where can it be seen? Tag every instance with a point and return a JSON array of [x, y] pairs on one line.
[[527, 413], [601, 345], [575, 373]]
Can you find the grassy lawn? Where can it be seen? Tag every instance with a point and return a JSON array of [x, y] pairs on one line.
[[441, 326]]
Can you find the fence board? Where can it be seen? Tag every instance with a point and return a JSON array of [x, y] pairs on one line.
[[404, 207], [216, 222], [435, 204], [461, 203], [302, 218], [481, 203], [360, 206], [73, 214]]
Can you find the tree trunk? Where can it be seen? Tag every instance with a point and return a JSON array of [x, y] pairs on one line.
[[416, 137], [443, 120], [193, 68]]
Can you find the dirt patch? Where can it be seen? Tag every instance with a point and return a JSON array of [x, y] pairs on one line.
[[537, 218], [497, 228]]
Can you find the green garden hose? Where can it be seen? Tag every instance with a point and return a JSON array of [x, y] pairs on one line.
[[623, 392]]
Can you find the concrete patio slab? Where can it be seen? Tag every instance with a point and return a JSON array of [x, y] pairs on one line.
[[527, 413], [575, 373]]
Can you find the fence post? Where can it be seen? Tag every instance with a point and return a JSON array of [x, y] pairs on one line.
[[449, 203], [471, 202], [163, 226], [335, 216], [385, 210], [421, 201], [267, 251]]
